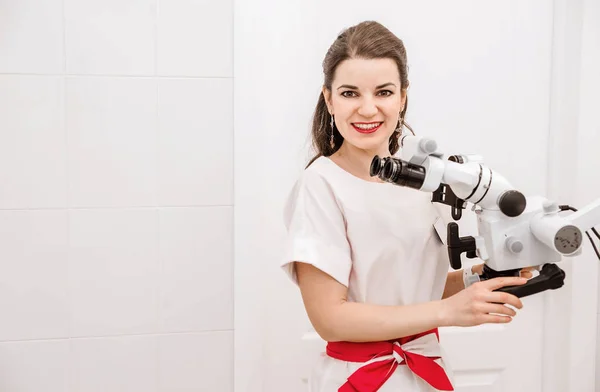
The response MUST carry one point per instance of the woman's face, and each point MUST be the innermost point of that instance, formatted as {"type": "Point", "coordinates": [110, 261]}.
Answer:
{"type": "Point", "coordinates": [366, 100]}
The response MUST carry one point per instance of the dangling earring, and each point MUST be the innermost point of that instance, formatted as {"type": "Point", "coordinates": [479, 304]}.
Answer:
{"type": "Point", "coordinates": [331, 141]}
{"type": "Point", "coordinates": [400, 124]}
{"type": "Point", "coordinates": [398, 131]}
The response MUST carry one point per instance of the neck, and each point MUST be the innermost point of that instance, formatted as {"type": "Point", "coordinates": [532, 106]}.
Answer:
{"type": "Point", "coordinates": [358, 161]}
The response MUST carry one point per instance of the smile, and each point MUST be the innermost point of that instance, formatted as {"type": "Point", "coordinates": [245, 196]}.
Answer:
{"type": "Point", "coordinates": [367, 127]}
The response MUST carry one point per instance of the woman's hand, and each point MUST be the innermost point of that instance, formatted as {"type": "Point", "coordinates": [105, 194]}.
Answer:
{"type": "Point", "coordinates": [525, 272]}
{"type": "Point", "coordinates": [480, 304]}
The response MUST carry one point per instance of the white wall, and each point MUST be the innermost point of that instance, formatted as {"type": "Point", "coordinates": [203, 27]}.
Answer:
{"type": "Point", "coordinates": [588, 142]}
{"type": "Point", "coordinates": [116, 195]}
{"type": "Point", "coordinates": [471, 89]}
{"type": "Point", "coordinates": [574, 163]}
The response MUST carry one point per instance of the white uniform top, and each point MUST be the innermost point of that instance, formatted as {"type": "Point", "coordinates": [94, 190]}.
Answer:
{"type": "Point", "coordinates": [377, 239]}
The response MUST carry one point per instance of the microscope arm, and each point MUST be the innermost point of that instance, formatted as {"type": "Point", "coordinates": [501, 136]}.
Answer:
{"type": "Point", "coordinates": [587, 217]}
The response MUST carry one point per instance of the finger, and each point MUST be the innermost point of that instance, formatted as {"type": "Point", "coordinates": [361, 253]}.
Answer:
{"type": "Point", "coordinates": [499, 297]}
{"type": "Point", "coordinates": [498, 310]}
{"type": "Point", "coordinates": [496, 283]}
{"type": "Point", "coordinates": [526, 274]}
{"type": "Point", "coordinates": [495, 319]}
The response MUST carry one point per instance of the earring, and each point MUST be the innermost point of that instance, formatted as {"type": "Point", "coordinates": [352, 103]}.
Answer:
{"type": "Point", "coordinates": [400, 124]}
{"type": "Point", "coordinates": [331, 141]}
{"type": "Point", "coordinates": [398, 131]}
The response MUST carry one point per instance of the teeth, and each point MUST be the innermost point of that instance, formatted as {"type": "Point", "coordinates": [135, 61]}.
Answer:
{"type": "Point", "coordinates": [367, 126]}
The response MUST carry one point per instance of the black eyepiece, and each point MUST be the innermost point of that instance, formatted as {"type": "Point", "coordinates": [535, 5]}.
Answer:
{"type": "Point", "coordinates": [389, 169]}
{"type": "Point", "coordinates": [376, 166]}
{"type": "Point", "coordinates": [398, 172]}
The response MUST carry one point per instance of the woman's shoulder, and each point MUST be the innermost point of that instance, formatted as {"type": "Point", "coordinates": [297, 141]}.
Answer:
{"type": "Point", "coordinates": [314, 189]}
{"type": "Point", "coordinates": [321, 166]}
{"type": "Point", "coordinates": [316, 179]}
{"type": "Point", "coordinates": [320, 174]}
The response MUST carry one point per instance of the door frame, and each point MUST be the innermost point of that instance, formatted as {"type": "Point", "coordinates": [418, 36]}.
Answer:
{"type": "Point", "coordinates": [570, 313]}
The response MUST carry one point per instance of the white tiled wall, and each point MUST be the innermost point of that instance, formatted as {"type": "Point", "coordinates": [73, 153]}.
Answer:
{"type": "Point", "coordinates": [116, 193]}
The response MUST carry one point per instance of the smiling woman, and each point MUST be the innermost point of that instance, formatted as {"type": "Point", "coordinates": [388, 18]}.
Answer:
{"type": "Point", "coordinates": [365, 90]}
{"type": "Point", "coordinates": [365, 101]}
{"type": "Point", "coordinates": [372, 273]}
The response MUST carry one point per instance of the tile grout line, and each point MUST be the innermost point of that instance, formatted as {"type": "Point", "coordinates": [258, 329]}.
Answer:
{"type": "Point", "coordinates": [116, 336]}
{"type": "Point", "coordinates": [233, 209]}
{"type": "Point", "coordinates": [112, 208]}
{"type": "Point", "coordinates": [91, 75]}
{"type": "Point", "coordinates": [158, 281]}
{"type": "Point", "coordinates": [71, 352]}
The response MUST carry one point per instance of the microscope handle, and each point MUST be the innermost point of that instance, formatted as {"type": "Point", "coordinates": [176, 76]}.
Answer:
{"type": "Point", "coordinates": [551, 277]}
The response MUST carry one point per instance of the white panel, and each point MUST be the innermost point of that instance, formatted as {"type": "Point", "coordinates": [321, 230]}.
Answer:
{"type": "Point", "coordinates": [124, 363]}
{"type": "Point", "coordinates": [35, 366]}
{"type": "Point", "coordinates": [195, 38]}
{"type": "Point", "coordinates": [196, 362]}
{"type": "Point", "coordinates": [114, 37]}
{"type": "Point", "coordinates": [585, 324]}
{"type": "Point", "coordinates": [196, 246]}
{"type": "Point", "coordinates": [33, 289]}
{"type": "Point", "coordinates": [33, 170]}
{"type": "Point", "coordinates": [32, 36]}
{"type": "Point", "coordinates": [312, 345]}
{"type": "Point", "coordinates": [597, 353]}
{"type": "Point", "coordinates": [111, 126]}
{"type": "Point", "coordinates": [479, 381]}
{"type": "Point", "coordinates": [485, 348]}
{"type": "Point", "coordinates": [195, 142]}
{"type": "Point", "coordinates": [113, 271]}
{"type": "Point", "coordinates": [275, 92]}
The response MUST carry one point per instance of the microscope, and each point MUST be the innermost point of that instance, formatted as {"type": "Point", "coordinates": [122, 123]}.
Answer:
{"type": "Point", "coordinates": [514, 231]}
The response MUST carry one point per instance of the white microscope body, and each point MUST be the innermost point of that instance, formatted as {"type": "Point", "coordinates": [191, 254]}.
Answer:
{"type": "Point", "coordinates": [514, 231]}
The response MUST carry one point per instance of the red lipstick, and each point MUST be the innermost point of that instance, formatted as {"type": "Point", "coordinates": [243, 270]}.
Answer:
{"type": "Point", "coordinates": [367, 130]}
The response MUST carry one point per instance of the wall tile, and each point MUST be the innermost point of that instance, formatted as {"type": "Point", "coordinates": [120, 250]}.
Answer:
{"type": "Point", "coordinates": [110, 37]}
{"type": "Point", "coordinates": [115, 364]}
{"type": "Point", "coordinates": [195, 38]}
{"type": "Point", "coordinates": [196, 142]}
{"type": "Point", "coordinates": [111, 127]}
{"type": "Point", "coordinates": [196, 362]}
{"type": "Point", "coordinates": [32, 38]}
{"type": "Point", "coordinates": [113, 265]}
{"type": "Point", "coordinates": [35, 366]}
{"type": "Point", "coordinates": [196, 251]}
{"type": "Point", "coordinates": [33, 284]}
{"type": "Point", "coordinates": [33, 165]}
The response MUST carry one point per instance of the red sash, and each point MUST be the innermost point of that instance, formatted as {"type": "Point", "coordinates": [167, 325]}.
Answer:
{"type": "Point", "coordinates": [371, 376]}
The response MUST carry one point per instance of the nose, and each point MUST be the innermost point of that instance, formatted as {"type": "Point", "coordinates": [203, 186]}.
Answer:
{"type": "Point", "coordinates": [367, 107]}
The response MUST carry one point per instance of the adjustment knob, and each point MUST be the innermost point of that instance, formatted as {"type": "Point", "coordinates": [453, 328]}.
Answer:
{"type": "Point", "coordinates": [512, 203]}
{"type": "Point", "coordinates": [428, 146]}
{"type": "Point", "coordinates": [514, 245]}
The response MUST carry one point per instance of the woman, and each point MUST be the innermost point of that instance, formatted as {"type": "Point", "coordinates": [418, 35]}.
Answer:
{"type": "Point", "coordinates": [372, 272]}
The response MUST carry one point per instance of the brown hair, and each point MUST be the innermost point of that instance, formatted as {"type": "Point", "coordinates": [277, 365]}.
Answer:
{"type": "Point", "coordinates": [366, 40]}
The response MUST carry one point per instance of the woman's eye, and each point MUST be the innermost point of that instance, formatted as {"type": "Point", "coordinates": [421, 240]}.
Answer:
{"type": "Point", "coordinates": [348, 94]}
{"type": "Point", "coordinates": [386, 93]}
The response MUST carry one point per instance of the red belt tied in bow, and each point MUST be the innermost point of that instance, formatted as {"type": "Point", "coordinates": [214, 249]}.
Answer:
{"type": "Point", "coordinates": [382, 358]}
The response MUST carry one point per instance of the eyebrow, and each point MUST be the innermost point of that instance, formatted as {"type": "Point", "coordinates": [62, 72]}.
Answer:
{"type": "Point", "coordinates": [376, 88]}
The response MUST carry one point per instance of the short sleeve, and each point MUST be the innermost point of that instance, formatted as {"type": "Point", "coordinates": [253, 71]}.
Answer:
{"type": "Point", "coordinates": [316, 230]}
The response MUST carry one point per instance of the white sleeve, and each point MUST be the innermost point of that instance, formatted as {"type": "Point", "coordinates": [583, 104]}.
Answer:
{"type": "Point", "coordinates": [316, 230]}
